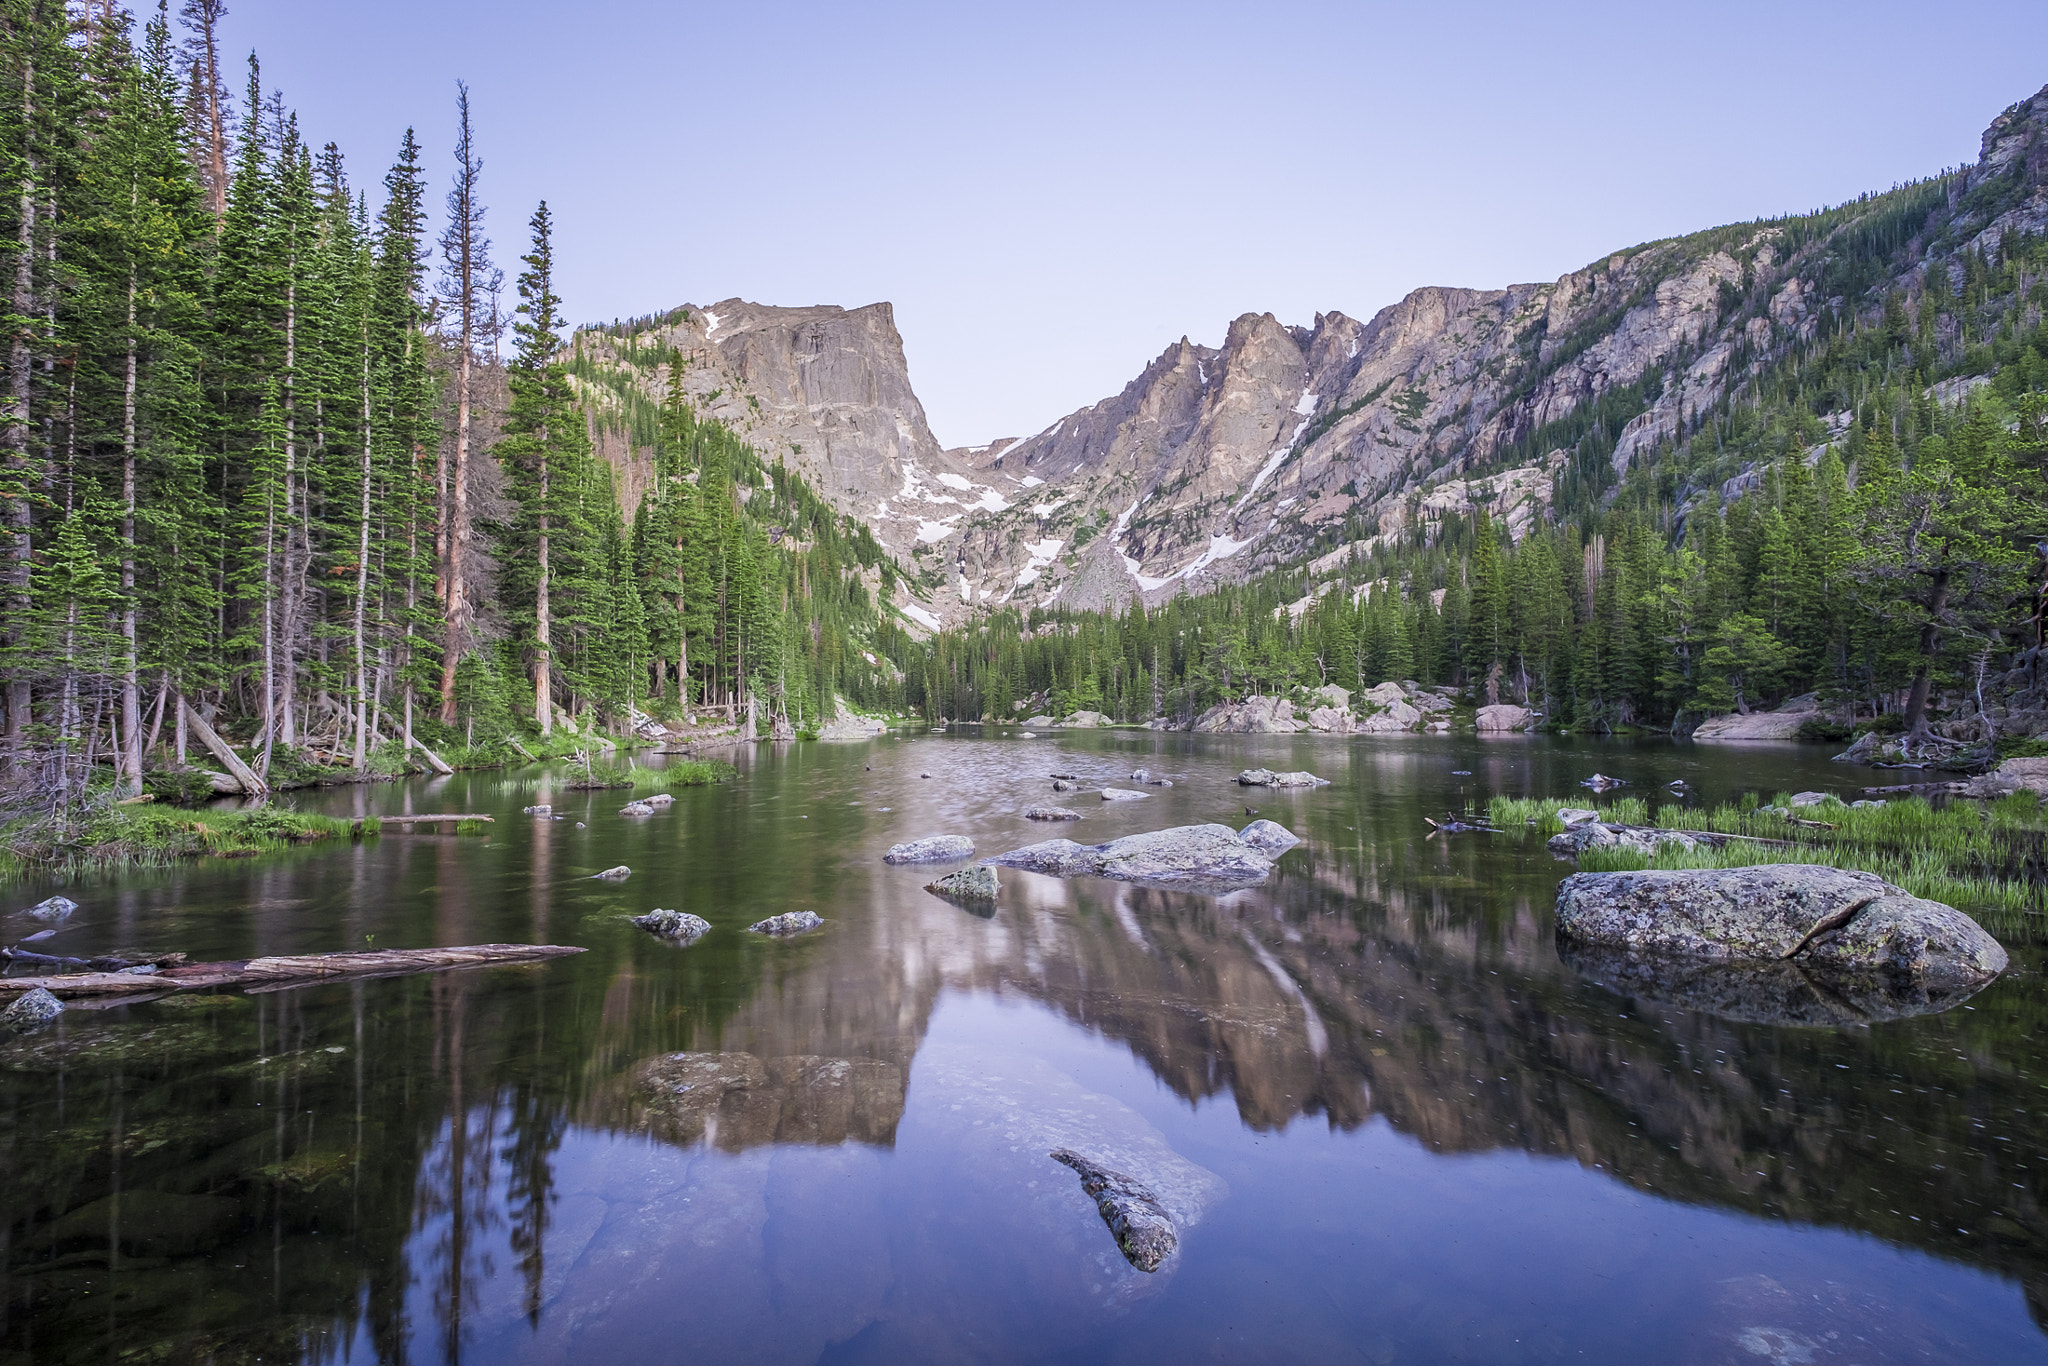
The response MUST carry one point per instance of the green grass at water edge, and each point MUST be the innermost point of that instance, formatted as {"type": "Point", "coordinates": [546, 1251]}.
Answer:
{"type": "Point", "coordinates": [159, 835]}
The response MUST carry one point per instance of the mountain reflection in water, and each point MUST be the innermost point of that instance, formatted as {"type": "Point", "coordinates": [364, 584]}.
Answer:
{"type": "Point", "coordinates": [835, 1147]}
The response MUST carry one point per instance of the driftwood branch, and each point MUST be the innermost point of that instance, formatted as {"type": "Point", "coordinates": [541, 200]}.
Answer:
{"type": "Point", "coordinates": [441, 819]}
{"type": "Point", "coordinates": [278, 974]}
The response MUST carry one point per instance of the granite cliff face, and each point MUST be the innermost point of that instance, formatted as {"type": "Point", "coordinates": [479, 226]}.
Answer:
{"type": "Point", "coordinates": [1289, 441]}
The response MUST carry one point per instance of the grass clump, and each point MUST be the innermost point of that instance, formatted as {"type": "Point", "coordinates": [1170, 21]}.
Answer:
{"type": "Point", "coordinates": [1513, 812]}
{"type": "Point", "coordinates": [684, 773]}
{"type": "Point", "coordinates": [157, 835]}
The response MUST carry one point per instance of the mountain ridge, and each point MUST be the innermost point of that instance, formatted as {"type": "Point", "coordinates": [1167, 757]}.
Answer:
{"type": "Point", "coordinates": [1292, 442]}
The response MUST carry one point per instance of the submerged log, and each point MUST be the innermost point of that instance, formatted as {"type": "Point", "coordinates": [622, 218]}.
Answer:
{"type": "Point", "coordinates": [439, 819]}
{"type": "Point", "coordinates": [281, 973]}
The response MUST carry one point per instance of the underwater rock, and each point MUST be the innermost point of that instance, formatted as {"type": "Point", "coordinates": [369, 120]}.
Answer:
{"type": "Point", "coordinates": [1065, 785]}
{"type": "Point", "coordinates": [1824, 917]}
{"type": "Point", "coordinates": [1050, 813]}
{"type": "Point", "coordinates": [658, 800]}
{"type": "Point", "coordinates": [932, 849]}
{"type": "Point", "coordinates": [544, 809]}
{"type": "Point", "coordinates": [636, 809]}
{"type": "Point", "coordinates": [1198, 856]}
{"type": "Point", "coordinates": [1143, 1231]}
{"type": "Point", "coordinates": [786, 924]}
{"type": "Point", "coordinates": [1118, 794]}
{"type": "Point", "coordinates": [679, 927]}
{"type": "Point", "coordinates": [969, 884]}
{"type": "Point", "coordinates": [34, 1010]}
{"type": "Point", "coordinates": [618, 874]}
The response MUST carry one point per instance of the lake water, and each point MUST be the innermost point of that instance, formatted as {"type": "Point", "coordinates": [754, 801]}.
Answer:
{"type": "Point", "coordinates": [1393, 1125]}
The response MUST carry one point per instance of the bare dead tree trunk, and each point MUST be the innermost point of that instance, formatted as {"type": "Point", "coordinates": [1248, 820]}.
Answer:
{"type": "Point", "coordinates": [130, 759]}
{"type": "Point", "coordinates": [14, 442]}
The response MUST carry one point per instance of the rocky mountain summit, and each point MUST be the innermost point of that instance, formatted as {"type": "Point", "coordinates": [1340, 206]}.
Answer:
{"type": "Point", "coordinates": [1291, 442]}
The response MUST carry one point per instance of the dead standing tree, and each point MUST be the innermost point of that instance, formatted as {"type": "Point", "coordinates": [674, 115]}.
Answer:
{"type": "Point", "coordinates": [470, 289]}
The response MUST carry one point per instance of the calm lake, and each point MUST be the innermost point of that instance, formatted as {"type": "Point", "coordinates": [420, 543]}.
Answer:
{"type": "Point", "coordinates": [1393, 1126]}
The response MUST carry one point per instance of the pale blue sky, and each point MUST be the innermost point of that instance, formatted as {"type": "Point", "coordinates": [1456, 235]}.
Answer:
{"type": "Point", "coordinates": [1051, 194]}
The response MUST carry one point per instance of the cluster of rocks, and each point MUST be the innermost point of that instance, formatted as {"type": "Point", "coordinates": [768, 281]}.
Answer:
{"type": "Point", "coordinates": [1197, 856]}
{"type": "Point", "coordinates": [1388, 708]}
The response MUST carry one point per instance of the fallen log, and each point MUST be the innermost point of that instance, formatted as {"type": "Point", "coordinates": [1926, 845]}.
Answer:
{"type": "Point", "coordinates": [281, 973]}
{"type": "Point", "coordinates": [244, 776]}
{"type": "Point", "coordinates": [441, 819]}
{"type": "Point", "coordinates": [1931, 788]}
{"type": "Point", "coordinates": [31, 958]}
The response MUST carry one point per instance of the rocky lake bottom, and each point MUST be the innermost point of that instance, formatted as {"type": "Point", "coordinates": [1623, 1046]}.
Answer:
{"type": "Point", "coordinates": [1384, 1120]}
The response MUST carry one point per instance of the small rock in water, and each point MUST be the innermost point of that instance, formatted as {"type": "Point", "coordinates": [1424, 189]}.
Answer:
{"type": "Point", "coordinates": [56, 908]}
{"type": "Point", "coordinates": [544, 809]}
{"type": "Point", "coordinates": [1139, 775]}
{"type": "Point", "coordinates": [1461, 773]}
{"type": "Point", "coordinates": [1142, 1229]}
{"type": "Point", "coordinates": [1576, 815]}
{"type": "Point", "coordinates": [579, 825]}
{"type": "Point", "coordinates": [636, 809]}
{"type": "Point", "coordinates": [969, 884]}
{"type": "Point", "coordinates": [678, 926]}
{"type": "Point", "coordinates": [1050, 813]}
{"type": "Point", "coordinates": [932, 849]}
{"type": "Point", "coordinates": [1266, 777]}
{"type": "Point", "coordinates": [32, 1011]}
{"type": "Point", "coordinates": [1028, 734]}
{"type": "Point", "coordinates": [618, 874]}
{"type": "Point", "coordinates": [1600, 782]}
{"type": "Point", "coordinates": [1068, 776]}
{"type": "Point", "coordinates": [1159, 782]}
{"type": "Point", "coordinates": [1118, 794]}
{"type": "Point", "coordinates": [658, 800]}
{"type": "Point", "coordinates": [1065, 785]}
{"type": "Point", "coordinates": [1811, 798]}
{"type": "Point", "coordinates": [788, 923]}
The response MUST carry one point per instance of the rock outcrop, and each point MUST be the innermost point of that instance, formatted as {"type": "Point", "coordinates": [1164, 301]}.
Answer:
{"type": "Point", "coordinates": [1253, 716]}
{"type": "Point", "coordinates": [1849, 922]}
{"type": "Point", "coordinates": [2014, 775]}
{"type": "Point", "coordinates": [1502, 716]}
{"type": "Point", "coordinates": [1782, 724]}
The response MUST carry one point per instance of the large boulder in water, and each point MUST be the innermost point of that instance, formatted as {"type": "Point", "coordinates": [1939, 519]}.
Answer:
{"type": "Point", "coordinates": [932, 849]}
{"type": "Point", "coordinates": [51, 911]}
{"type": "Point", "coordinates": [1827, 918]}
{"type": "Point", "coordinates": [1199, 856]}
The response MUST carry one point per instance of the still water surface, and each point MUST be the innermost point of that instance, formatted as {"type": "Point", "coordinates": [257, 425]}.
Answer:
{"type": "Point", "coordinates": [1393, 1126]}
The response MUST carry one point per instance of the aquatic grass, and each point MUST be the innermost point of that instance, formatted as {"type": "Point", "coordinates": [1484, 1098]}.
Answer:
{"type": "Point", "coordinates": [471, 828]}
{"type": "Point", "coordinates": [1508, 812]}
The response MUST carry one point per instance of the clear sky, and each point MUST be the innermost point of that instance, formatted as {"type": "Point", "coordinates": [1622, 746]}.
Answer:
{"type": "Point", "coordinates": [1052, 193]}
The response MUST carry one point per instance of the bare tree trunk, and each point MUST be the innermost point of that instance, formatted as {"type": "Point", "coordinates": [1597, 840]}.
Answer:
{"type": "Point", "coordinates": [130, 765]}
{"type": "Point", "coordinates": [362, 742]}
{"type": "Point", "coordinates": [291, 591]}
{"type": "Point", "coordinates": [14, 443]}
{"type": "Point", "coordinates": [543, 679]}
{"type": "Point", "coordinates": [1918, 730]}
